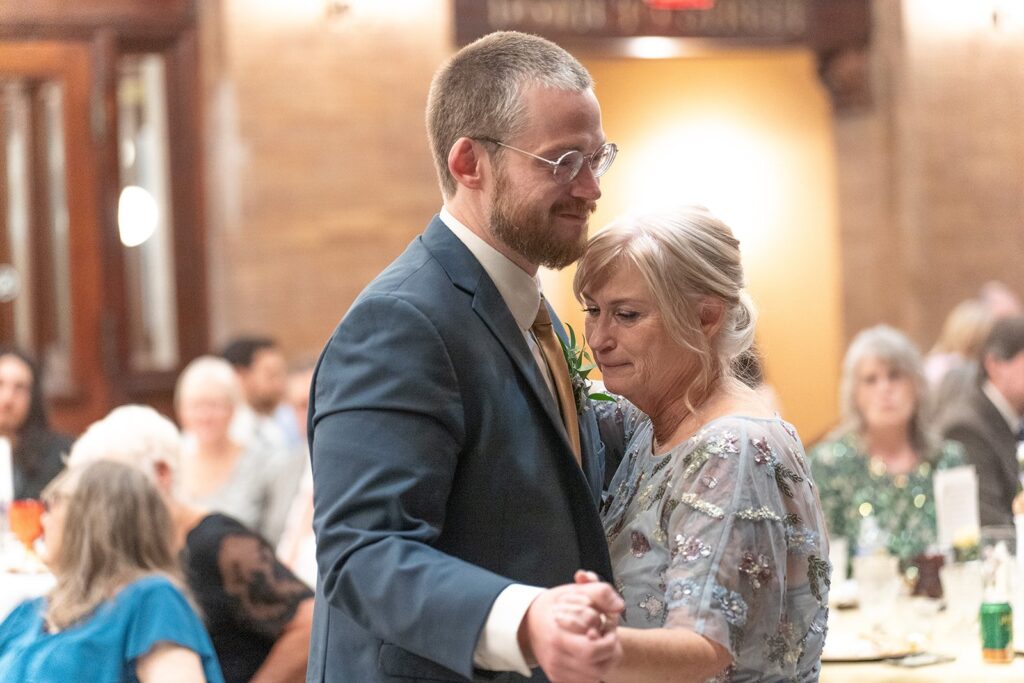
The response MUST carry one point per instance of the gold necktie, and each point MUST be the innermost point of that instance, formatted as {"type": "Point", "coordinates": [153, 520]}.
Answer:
{"type": "Point", "coordinates": [551, 349]}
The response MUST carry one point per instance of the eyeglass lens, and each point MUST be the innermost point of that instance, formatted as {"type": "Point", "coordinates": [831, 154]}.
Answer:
{"type": "Point", "coordinates": [571, 163]}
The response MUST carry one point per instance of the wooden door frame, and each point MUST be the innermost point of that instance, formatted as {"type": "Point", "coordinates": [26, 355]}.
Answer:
{"type": "Point", "coordinates": [108, 29]}
{"type": "Point", "coordinates": [73, 64]}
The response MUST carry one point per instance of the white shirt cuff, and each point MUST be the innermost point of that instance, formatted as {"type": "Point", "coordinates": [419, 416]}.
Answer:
{"type": "Point", "coordinates": [498, 646]}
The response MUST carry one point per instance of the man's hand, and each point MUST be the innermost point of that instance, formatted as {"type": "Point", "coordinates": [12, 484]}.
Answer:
{"type": "Point", "coordinates": [570, 631]}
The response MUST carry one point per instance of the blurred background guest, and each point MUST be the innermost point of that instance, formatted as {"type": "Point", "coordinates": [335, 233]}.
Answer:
{"type": "Point", "coordinates": [987, 420]}
{"type": "Point", "coordinates": [963, 331]}
{"type": "Point", "coordinates": [874, 472]}
{"type": "Point", "coordinates": [1000, 299]}
{"type": "Point", "coordinates": [36, 450]}
{"type": "Point", "coordinates": [117, 612]}
{"type": "Point", "coordinates": [262, 415]}
{"type": "Point", "coordinates": [219, 472]}
{"type": "Point", "coordinates": [297, 548]}
{"type": "Point", "coordinates": [258, 614]}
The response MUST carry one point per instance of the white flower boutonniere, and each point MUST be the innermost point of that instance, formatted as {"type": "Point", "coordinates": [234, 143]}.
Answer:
{"type": "Point", "coordinates": [580, 365]}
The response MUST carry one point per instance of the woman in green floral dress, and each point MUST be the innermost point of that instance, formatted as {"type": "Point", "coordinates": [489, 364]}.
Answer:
{"type": "Point", "coordinates": [879, 463]}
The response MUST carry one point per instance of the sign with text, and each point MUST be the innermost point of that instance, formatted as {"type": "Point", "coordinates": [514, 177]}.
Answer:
{"type": "Point", "coordinates": [570, 21]}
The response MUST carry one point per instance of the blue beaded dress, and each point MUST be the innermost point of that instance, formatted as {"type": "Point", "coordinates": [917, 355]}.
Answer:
{"type": "Point", "coordinates": [723, 535]}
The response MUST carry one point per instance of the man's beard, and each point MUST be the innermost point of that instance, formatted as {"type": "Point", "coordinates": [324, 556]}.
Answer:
{"type": "Point", "coordinates": [530, 231]}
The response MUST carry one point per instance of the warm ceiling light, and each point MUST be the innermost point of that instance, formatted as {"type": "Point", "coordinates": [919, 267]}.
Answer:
{"type": "Point", "coordinates": [681, 4]}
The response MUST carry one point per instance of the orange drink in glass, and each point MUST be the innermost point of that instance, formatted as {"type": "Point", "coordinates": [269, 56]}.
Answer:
{"type": "Point", "coordinates": [26, 518]}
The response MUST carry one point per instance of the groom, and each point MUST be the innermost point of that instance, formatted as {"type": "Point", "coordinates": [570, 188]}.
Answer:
{"type": "Point", "coordinates": [455, 483]}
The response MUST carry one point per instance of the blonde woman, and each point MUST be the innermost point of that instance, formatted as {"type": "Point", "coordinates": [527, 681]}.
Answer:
{"type": "Point", "coordinates": [713, 523]}
{"type": "Point", "coordinates": [116, 613]}
{"type": "Point", "coordinates": [244, 480]}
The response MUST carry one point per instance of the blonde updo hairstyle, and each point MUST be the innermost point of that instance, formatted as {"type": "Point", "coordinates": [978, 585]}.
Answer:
{"type": "Point", "coordinates": [686, 256]}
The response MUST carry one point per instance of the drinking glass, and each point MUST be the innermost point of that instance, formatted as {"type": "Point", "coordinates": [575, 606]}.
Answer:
{"type": "Point", "coordinates": [878, 586]}
{"type": "Point", "coordinates": [998, 548]}
{"type": "Point", "coordinates": [26, 518]}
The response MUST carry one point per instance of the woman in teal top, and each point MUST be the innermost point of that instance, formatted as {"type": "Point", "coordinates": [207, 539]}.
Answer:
{"type": "Point", "coordinates": [875, 471]}
{"type": "Point", "coordinates": [116, 614]}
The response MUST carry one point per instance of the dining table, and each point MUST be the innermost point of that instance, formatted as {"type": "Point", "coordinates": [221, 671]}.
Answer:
{"type": "Point", "coordinates": [913, 639]}
{"type": "Point", "coordinates": [22, 575]}
{"type": "Point", "coordinates": [16, 587]}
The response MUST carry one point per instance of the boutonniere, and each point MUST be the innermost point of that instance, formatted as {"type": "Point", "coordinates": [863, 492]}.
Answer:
{"type": "Point", "coordinates": [580, 365]}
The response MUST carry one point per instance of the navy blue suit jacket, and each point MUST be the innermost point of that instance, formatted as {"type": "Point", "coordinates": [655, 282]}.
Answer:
{"type": "Point", "coordinates": [442, 473]}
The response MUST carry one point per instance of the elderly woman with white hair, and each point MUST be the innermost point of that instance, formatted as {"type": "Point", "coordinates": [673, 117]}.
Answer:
{"type": "Point", "coordinates": [878, 464]}
{"type": "Point", "coordinates": [258, 614]}
{"type": "Point", "coordinates": [714, 527]}
{"type": "Point", "coordinates": [245, 481]}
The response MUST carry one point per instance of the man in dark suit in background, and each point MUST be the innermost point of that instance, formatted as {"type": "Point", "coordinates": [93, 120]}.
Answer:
{"type": "Point", "coordinates": [987, 420]}
{"type": "Point", "coordinates": [454, 481]}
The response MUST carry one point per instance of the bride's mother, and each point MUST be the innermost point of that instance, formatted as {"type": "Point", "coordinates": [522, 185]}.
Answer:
{"type": "Point", "coordinates": [713, 523]}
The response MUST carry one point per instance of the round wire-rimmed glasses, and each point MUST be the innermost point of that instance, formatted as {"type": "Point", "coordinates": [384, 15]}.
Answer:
{"type": "Point", "coordinates": [566, 167]}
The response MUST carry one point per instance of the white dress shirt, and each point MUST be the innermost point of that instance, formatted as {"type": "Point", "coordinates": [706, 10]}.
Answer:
{"type": "Point", "coordinates": [498, 646]}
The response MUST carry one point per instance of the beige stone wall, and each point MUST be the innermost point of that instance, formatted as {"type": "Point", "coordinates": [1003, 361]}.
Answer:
{"type": "Point", "coordinates": [319, 169]}
{"type": "Point", "coordinates": [319, 172]}
{"type": "Point", "coordinates": [932, 178]}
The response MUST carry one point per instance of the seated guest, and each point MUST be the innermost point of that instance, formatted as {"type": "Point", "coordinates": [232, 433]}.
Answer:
{"type": "Point", "coordinates": [714, 528]}
{"type": "Point", "coordinates": [258, 614]}
{"type": "Point", "coordinates": [241, 479]}
{"type": "Point", "coordinates": [879, 462]}
{"type": "Point", "coordinates": [964, 330]}
{"type": "Point", "coordinates": [36, 451]}
{"type": "Point", "coordinates": [987, 420]}
{"type": "Point", "coordinates": [117, 612]}
{"type": "Point", "coordinates": [261, 370]}
{"type": "Point", "coordinates": [297, 548]}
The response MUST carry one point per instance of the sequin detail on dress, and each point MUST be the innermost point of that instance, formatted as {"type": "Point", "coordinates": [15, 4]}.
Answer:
{"type": "Point", "coordinates": [801, 540]}
{"type": "Point", "coordinates": [730, 603]}
{"type": "Point", "coordinates": [638, 543]}
{"type": "Point", "coordinates": [689, 549]}
{"type": "Point", "coordinates": [783, 647]}
{"type": "Point", "coordinates": [757, 569]}
{"type": "Point", "coordinates": [653, 606]}
{"type": "Point", "coordinates": [759, 514]}
{"type": "Point", "coordinates": [679, 592]}
{"type": "Point", "coordinates": [709, 509]}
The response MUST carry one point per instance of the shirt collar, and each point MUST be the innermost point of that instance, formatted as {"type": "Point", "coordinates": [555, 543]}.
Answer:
{"type": "Point", "coordinates": [1002, 405]}
{"type": "Point", "coordinates": [520, 290]}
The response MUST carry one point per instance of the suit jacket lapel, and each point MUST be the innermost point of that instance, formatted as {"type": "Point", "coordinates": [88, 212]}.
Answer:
{"type": "Point", "coordinates": [467, 274]}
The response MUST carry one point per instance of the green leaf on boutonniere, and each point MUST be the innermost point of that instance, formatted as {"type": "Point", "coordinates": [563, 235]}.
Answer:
{"type": "Point", "coordinates": [580, 364]}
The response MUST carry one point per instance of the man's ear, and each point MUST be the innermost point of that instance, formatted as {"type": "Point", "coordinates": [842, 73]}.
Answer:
{"type": "Point", "coordinates": [712, 314]}
{"type": "Point", "coordinates": [466, 163]}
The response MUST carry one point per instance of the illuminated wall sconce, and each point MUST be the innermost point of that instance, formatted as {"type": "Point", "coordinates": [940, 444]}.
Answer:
{"type": "Point", "coordinates": [137, 215]}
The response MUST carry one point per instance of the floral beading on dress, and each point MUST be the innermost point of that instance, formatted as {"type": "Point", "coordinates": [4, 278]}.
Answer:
{"type": "Point", "coordinates": [724, 536]}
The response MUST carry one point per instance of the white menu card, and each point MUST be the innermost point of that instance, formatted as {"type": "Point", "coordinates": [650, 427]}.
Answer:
{"type": "Point", "coordinates": [6, 473]}
{"type": "Point", "coordinates": [956, 504]}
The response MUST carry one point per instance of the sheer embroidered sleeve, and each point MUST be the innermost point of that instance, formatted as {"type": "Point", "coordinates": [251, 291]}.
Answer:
{"type": "Point", "coordinates": [237, 579]}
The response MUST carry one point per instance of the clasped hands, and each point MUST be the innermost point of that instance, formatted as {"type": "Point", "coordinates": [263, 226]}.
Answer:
{"type": "Point", "coordinates": [570, 630]}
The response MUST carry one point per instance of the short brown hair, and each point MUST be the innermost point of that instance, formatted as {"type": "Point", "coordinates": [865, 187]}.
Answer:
{"type": "Point", "coordinates": [1005, 340]}
{"type": "Point", "coordinates": [478, 92]}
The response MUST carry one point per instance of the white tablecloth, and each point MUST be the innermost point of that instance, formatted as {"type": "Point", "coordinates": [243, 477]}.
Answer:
{"type": "Point", "coordinates": [16, 587]}
{"type": "Point", "coordinates": [952, 631]}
